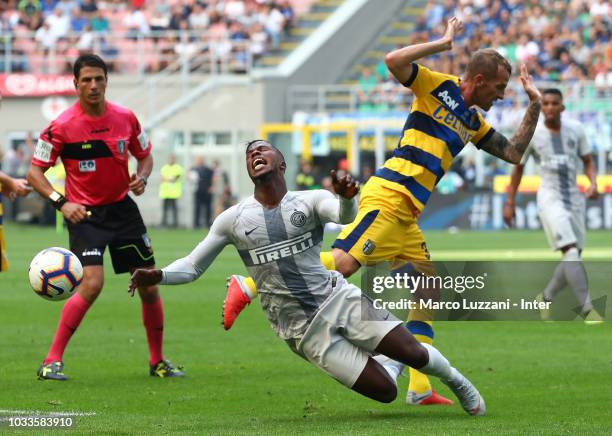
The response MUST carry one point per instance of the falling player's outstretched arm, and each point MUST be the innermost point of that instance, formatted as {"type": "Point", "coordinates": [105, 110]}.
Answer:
{"type": "Point", "coordinates": [400, 61]}
{"type": "Point", "coordinates": [192, 266]}
{"type": "Point", "coordinates": [511, 150]}
{"type": "Point", "coordinates": [342, 210]}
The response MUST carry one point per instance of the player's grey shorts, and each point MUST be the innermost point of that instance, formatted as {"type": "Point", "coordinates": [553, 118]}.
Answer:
{"type": "Point", "coordinates": [563, 222]}
{"type": "Point", "coordinates": [345, 332]}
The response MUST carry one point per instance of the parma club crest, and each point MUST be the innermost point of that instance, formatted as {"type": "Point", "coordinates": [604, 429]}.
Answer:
{"type": "Point", "coordinates": [368, 247]}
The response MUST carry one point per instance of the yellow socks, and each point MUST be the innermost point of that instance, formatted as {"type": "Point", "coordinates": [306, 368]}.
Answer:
{"type": "Point", "coordinates": [327, 260]}
{"type": "Point", "coordinates": [251, 285]}
{"type": "Point", "coordinates": [423, 332]}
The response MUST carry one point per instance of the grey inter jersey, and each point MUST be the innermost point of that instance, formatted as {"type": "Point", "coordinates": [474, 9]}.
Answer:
{"type": "Point", "coordinates": [280, 248]}
{"type": "Point", "coordinates": [559, 156]}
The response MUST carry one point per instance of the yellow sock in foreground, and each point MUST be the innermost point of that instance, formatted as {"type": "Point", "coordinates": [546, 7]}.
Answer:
{"type": "Point", "coordinates": [251, 284]}
{"type": "Point", "coordinates": [326, 259]}
{"type": "Point", "coordinates": [419, 382]}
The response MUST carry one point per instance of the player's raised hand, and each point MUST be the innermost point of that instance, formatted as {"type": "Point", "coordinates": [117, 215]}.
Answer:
{"type": "Point", "coordinates": [509, 214]}
{"type": "Point", "coordinates": [137, 184]}
{"type": "Point", "coordinates": [74, 212]}
{"type": "Point", "coordinates": [453, 27]}
{"type": "Point", "coordinates": [344, 186]}
{"type": "Point", "coordinates": [528, 85]}
{"type": "Point", "coordinates": [144, 277]}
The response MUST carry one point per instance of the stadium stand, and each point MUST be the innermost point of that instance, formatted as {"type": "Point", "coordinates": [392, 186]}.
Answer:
{"type": "Point", "coordinates": [147, 36]}
{"type": "Point", "coordinates": [559, 41]}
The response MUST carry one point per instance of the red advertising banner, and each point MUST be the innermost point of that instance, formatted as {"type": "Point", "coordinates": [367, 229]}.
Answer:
{"type": "Point", "coordinates": [36, 85]}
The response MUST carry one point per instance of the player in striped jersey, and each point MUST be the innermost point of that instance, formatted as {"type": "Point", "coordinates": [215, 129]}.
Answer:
{"type": "Point", "coordinates": [442, 120]}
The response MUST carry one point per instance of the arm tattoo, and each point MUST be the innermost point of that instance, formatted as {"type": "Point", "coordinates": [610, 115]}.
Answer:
{"type": "Point", "coordinates": [511, 150]}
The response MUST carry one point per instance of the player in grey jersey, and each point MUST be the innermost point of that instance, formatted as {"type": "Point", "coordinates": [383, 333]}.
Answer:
{"type": "Point", "coordinates": [323, 318]}
{"type": "Point", "coordinates": [558, 146]}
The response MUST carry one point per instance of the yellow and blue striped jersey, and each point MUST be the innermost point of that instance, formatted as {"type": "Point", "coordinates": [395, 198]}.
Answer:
{"type": "Point", "coordinates": [437, 129]}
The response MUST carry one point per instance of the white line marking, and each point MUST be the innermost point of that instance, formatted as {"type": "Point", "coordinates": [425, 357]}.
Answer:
{"type": "Point", "coordinates": [517, 254]}
{"type": "Point", "coordinates": [44, 412]}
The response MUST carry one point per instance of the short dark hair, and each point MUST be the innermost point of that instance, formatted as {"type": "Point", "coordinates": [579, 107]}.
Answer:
{"type": "Point", "coordinates": [88, 60]}
{"type": "Point", "coordinates": [487, 61]}
{"type": "Point", "coordinates": [553, 91]}
{"type": "Point", "coordinates": [255, 141]}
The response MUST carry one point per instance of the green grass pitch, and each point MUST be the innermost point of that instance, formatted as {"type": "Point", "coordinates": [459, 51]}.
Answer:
{"type": "Point", "coordinates": [537, 378]}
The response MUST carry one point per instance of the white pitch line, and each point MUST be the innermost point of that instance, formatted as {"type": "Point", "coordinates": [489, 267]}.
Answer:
{"type": "Point", "coordinates": [520, 254]}
{"type": "Point", "coordinates": [44, 412]}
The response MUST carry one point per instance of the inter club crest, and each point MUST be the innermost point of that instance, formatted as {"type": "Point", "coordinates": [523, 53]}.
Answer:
{"type": "Point", "coordinates": [298, 218]}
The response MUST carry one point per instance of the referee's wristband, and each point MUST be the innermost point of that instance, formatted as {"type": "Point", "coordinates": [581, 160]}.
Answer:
{"type": "Point", "coordinates": [57, 200]}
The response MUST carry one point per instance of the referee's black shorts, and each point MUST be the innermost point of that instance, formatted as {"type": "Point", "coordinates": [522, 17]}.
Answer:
{"type": "Point", "coordinates": [118, 225]}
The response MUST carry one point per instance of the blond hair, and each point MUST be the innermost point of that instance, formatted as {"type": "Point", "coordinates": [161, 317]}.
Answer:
{"type": "Point", "coordinates": [486, 61]}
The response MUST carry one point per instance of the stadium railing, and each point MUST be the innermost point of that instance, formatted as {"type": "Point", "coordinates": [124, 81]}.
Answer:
{"type": "Point", "coordinates": [391, 96]}
{"type": "Point", "coordinates": [128, 52]}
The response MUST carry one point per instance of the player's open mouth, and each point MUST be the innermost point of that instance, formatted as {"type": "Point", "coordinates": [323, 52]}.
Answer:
{"type": "Point", "coordinates": [258, 163]}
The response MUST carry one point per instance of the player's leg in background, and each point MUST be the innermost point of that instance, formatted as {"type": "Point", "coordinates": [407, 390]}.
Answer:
{"type": "Point", "coordinates": [566, 232]}
{"type": "Point", "coordinates": [576, 277]}
{"type": "Point", "coordinates": [555, 223]}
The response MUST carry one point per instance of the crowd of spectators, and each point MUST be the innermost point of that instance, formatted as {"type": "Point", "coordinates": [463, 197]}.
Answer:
{"type": "Point", "coordinates": [557, 40]}
{"type": "Point", "coordinates": [237, 31]}
{"type": "Point", "coordinates": [564, 41]}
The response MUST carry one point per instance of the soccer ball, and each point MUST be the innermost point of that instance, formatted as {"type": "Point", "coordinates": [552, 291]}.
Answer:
{"type": "Point", "coordinates": [55, 273]}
